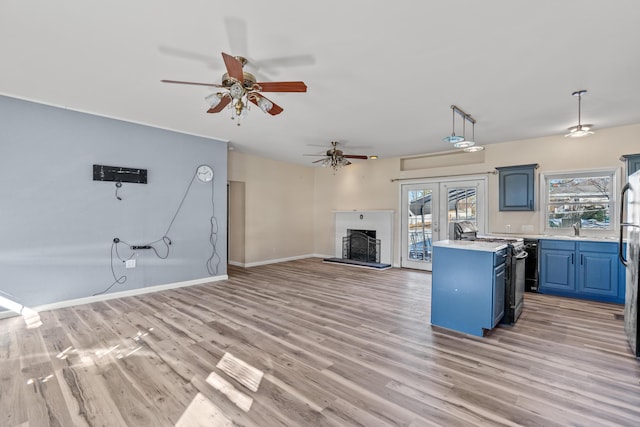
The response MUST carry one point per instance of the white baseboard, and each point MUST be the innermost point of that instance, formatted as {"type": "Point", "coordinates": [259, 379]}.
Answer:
{"type": "Point", "coordinates": [105, 297]}
{"type": "Point", "coordinates": [277, 260]}
{"type": "Point", "coordinates": [293, 258]}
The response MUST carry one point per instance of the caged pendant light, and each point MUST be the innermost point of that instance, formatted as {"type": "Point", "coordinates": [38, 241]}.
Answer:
{"type": "Point", "coordinates": [580, 130]}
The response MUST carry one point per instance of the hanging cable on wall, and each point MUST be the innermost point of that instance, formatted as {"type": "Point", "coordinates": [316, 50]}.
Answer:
{"type": "Point", "coordinates": [205, 174]}
{"type": "Point", "coordinates": [118, 186]}
{"type": "Point", "coordinates": [212, 267]}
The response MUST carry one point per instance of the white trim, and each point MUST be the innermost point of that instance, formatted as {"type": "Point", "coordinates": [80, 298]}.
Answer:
{"type": "Point", "coordinates": [277, 260]}
{"type": "Point", "coordinates": [616, 184]}
{"type": "Point", "coordinates": [122, 294]}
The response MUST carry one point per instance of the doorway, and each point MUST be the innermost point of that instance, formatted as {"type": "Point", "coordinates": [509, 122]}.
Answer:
{"type": "Point", "coordinates": [428, 207]}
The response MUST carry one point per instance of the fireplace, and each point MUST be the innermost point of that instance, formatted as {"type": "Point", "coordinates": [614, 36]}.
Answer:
{"type": "Point", "coordinates": [361, 245]}
{"type": "Point", "coordinates": [378, 221]}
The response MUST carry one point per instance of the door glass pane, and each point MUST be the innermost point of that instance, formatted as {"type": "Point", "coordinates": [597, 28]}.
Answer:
{"type": "Point", "coordinates": [462, 204]}
{"type": "Point", "coordinates": [419, 224]}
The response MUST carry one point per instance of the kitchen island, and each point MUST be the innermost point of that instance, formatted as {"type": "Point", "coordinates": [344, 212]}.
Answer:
{"type": "Point", "coordinates": [468, 285]}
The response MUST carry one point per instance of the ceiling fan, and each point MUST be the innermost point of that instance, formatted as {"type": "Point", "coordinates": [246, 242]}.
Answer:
{"type": "Point", "coordinates": [335, 158]}
{"type": "Point", "coordinates": [241, 87]}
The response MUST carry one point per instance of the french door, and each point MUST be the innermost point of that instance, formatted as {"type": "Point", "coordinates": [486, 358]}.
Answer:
{"type": "Point", "coordinates": [427, 210]}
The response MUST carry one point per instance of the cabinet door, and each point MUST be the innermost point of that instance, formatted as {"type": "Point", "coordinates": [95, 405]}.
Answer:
{"type": "Point", "coordinates": [516, 188]}
{"type": "Point", "coordinates": [598, 274]}
{"type": "Point", "coordinates": [498, 293]}
{"type": "Point", "coordinates": [633, 163]}
{"type": "Point", "coordinates": [557, 268]}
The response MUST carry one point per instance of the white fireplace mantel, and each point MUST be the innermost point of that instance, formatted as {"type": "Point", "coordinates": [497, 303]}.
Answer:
{"type": "Point", "coordinates": [379, 220]}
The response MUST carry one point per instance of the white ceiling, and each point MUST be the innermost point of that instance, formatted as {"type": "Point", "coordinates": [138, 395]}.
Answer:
{"type": "Point", "coordinates": [381, 75]}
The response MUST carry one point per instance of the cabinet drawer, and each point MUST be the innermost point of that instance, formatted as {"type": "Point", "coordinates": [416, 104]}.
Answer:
{"type": "Point", "coordinates": [602, 247]}
{"type": "Point", "coordinates": [565, 245]}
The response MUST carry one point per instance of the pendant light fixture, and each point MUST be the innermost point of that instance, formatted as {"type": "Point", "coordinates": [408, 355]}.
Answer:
{"type": "Point", "coordinates": [453, 138]}
{"type": "Point", "coordinates": [465, 143]}
{"type": "Point", "coordinates": [472, 148]}
{"type": "Point", "coordinates": [580, 130]}
{"type": "Point", "coordinates": [461, 141]}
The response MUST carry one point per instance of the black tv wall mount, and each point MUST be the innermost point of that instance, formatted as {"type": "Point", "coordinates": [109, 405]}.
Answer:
{"type": "Point", "coordinates": [119, 174]}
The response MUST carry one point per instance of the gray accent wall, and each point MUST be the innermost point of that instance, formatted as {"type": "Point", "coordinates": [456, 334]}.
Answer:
{"type": "Point", "coordinates": [57, 224]}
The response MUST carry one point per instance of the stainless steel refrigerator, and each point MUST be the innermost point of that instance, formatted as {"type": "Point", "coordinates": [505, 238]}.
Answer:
{"type": "Point", "coordinates": [630, 228]}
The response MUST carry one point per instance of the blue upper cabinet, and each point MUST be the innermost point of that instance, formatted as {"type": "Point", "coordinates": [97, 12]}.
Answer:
{"type": "Point", "coordinates": [632, 161]}
{"type": "Point", "coordinates": [516, 187]}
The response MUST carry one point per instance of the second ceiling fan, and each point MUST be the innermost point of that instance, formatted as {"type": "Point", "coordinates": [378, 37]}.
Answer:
{"type": "Point", "coordinates": [242, 87]}
{"type": "Point", "coordinates": [336, 158]}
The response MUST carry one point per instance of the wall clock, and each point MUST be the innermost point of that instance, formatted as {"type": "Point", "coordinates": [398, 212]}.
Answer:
{"type": "Point", "coordinates": [205, 173]}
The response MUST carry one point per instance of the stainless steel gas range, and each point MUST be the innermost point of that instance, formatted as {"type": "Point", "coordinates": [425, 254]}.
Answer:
{"type": "Point", "coordinates": [515, 266]}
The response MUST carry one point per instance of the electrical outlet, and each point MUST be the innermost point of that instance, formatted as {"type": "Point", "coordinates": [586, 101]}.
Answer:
{"type": "Point", "coordinates": [130, 263]}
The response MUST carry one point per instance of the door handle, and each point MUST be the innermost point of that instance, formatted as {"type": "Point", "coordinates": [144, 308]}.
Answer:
{"type": "Point", "coordinates": [623, 260]}
{"type": "Point", "coordinates": [572, 260]}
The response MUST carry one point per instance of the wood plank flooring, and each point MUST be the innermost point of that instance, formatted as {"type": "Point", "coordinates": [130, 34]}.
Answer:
{"type": "Point", "coordinates": [321, 345]}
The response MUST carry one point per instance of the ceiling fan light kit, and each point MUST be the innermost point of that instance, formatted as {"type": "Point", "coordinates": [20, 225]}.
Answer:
{"type": "Point", "coordinates": [579, 130]}
{"type": "Point", "coordinates": [242, 88]}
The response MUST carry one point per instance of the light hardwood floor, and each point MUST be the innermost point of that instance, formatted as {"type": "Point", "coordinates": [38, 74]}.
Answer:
{"type": "Point", "coordinates": [320, 344]}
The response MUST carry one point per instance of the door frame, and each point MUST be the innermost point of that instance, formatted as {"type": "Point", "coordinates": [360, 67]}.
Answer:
{"type": "Point", "coordinates": [442, 182]}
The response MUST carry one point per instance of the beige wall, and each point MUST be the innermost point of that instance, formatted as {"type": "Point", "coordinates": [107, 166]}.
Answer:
{"type": "Point", "coordinates": [368, 185]}
{"type": "Point", "coordinates": [278, 208]}
{"type": "Point", "coordinates": [237, 222]}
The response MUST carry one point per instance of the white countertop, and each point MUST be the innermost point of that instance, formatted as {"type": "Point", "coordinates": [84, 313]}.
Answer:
{"type": "Point", "coordinates": [559, 237]}
{"type": "Point", "coordinates": [471, 245]}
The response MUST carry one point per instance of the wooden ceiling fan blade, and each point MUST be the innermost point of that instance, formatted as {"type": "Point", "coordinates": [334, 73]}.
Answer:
{"type": "Point", "coordinates": [282, 86]}
{"type": "Point", "coordinates": [355, 156]}
{"type": "Point", "coordinates": [234, 67]}
{"type": "Point", "coordinates": [275, 108]}
{"type": "Point", "coordinates": [318, 161]}
{"type": "Point", "coordinates": [191, 83]}
{"type": "Point", "coordinates": [224, 101]}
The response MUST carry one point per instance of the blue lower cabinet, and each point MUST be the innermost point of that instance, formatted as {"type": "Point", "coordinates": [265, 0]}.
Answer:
{"type": "Point", "coordinates": [589, 270]}
{"type": "Point", "coordinates": [557, 266]}
{"type": "Point", "coordinates": [468, 299]}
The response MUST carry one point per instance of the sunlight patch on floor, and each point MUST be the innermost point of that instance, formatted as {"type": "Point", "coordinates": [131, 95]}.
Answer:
{"type": "Point", "coordinates": [201, 412]}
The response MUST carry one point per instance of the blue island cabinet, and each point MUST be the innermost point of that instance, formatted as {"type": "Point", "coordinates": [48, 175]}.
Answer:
{"type": "Point", "coordinates": [468, 288]}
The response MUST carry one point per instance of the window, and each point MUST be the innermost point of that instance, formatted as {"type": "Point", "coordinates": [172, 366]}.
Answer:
{"type": "Point", "coordinates": [584, 198]}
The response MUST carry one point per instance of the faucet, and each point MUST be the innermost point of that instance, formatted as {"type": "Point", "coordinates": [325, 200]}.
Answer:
{"type": "Point", "coordinates": [576, 228]}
